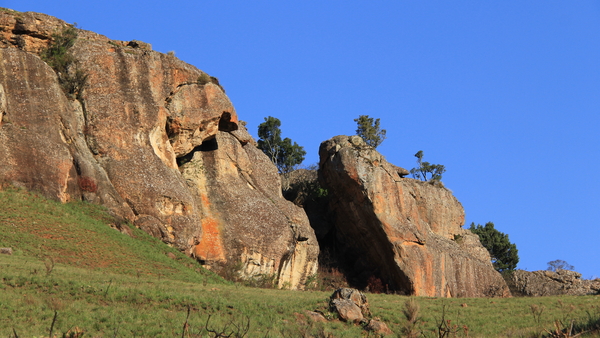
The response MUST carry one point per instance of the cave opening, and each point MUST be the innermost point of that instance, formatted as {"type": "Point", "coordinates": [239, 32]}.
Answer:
{"type": "Point", "coordinates": [210, 144]}
{"type": "Point", "coordinates": [225, 123]}
{"type": "Point", "coordinates": [345, 261]}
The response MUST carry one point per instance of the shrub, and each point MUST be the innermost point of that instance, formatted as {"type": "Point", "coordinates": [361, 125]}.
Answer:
{"type": "Point", "coordinates": [375, 285]}
{"type": "Point", "coordinates": [87, 184]}
{"type": "Point", "coordinates": [57, 55]}
{"type": "Point", "coordinates": [203, 79]}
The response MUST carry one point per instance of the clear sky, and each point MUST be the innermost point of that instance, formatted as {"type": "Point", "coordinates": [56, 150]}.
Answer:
{"type": "Point", "coordinates": [505, 94]}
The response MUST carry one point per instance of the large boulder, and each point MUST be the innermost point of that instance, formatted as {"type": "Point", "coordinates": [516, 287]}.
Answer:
{"type": "Point", "coordinates": [350, 304]}
{"type": "Point", "coordinates": [402, 232]}
{"type": "Point", "coordinates": [150, 141]}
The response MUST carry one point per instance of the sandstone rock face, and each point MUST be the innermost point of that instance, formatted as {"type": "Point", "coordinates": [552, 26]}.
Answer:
{"type": "Point", "coordinates": [406, 232]}
{"type": "Point", "coordinates": [241, 195]}
{"type": "Point", "coordinates": [549, 283]}
{"type": "Point", "coordinates": [152, 144]}
{"type": "Point", "coordinates": [29, 31]}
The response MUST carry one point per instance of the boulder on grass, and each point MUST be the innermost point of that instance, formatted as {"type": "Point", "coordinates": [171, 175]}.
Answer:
{"type": "Point", "coordinates": [350, 304]}
{"type": "Point", "coordinates": [378, 327]}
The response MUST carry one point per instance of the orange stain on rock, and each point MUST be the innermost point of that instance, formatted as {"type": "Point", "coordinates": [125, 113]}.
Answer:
{"type": "Point", "coordinates": [210, 246]}
{"type": "Point", "coordinates": [205, 201]}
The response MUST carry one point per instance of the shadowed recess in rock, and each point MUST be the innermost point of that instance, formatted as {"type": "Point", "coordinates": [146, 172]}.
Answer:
{"type": "Point", "coordinates": [226, 123]}
{"type": "Point", "coordinates": [209, 145]}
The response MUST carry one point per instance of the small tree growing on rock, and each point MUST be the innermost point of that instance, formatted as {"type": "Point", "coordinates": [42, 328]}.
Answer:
{"type": "Point", "coordinates": [282, 152]}
{"type": "Point", "coordinates": [505, 256]}
{"type": "Point", "coordinates": [424, 169]}
{"type": "Point", "coordinates": [559, 264]}
{"type": "Point", "coordinates": [370, 131]}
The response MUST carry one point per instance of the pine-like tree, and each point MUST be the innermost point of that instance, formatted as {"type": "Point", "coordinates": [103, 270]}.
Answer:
{"type": "Point", "coordinates": [370, 131]}
{"type": "Point", "coordinates": [505, 256]}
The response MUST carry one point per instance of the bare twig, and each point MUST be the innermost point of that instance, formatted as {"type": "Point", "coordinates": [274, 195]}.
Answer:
{"type": "Point", "coordinates": [231, 329]}
{"type": "Point", "coordinates": [185, 324]}
{"type": "Point", "coordinates": [53, 321]}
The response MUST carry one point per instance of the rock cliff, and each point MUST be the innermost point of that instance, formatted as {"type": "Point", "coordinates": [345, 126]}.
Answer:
{"type": "Point", "coordinates": [404, 232]}
{"type": "Point", "coordinates": [153, 142]}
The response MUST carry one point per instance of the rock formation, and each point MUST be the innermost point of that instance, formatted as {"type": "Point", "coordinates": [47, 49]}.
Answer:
{"type": "Point", "coordinates": [151, 141]}
{"type": "Point", "coordinates": [550, 283]}
{"type": "Point", "coordinates": [350, 304]}
{"type": "Point", "coordinates": [405, 233]}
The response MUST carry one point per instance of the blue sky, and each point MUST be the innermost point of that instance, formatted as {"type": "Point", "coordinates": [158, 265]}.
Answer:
{"type": "Point", "coordinates": [505, 94]}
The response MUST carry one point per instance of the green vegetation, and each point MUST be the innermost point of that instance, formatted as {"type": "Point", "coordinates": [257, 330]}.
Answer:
{"type": "Point", "coordinates": [370, 131]}
{"type": "Point", "coordinates": [77, 234]}
{"type": "Point", "coordinates": [505, 255]}
{"type": "Point", "coordinates": [287, 156]}
{"type": "Point", "coordinates": [205, 78]}
{"type": "Point", "coordinates": [424, 169]}
{"type": "Point", "coordinates": [58, 56]}
{"type": "Point", "coordinates": [72, 274]}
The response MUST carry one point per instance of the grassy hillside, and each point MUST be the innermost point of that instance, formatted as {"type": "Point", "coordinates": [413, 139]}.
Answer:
{"type": "Point", "coordinates": [75, 276]}
{"type": "Point", "coordinates": [76, 234]}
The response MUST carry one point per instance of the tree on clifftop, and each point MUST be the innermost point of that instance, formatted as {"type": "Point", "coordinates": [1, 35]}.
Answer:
{"type": "Point", "coordinates": [504, 254]}
{"type": "Point", "coordinates": [368, 128]}
{"type": "Point", "coordinates": [425, 168]}
{"type": "Point", "coordinates": [282, 152]}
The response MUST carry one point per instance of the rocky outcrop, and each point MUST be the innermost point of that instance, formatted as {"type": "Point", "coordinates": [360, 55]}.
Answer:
{"type": "Point", "coordinates": [240, 189]}
{"type": "Point", "coordinates": [402, 232]}
{"type": "Point", "coordinates": [150, 141]}
{"type": "Point", "coordinates": [350, 304]}
{"type": "Point", "coordinates": [550, 283]}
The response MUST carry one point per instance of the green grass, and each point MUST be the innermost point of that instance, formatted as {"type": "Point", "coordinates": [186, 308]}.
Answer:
{"type": "Point", "coordinates": [108, 284]}
{"type": "Point", "coordinates": [77, 234]}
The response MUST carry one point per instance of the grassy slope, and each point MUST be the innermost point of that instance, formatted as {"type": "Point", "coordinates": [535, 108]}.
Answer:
{"type": "Point", "coordinates": [105, 283]}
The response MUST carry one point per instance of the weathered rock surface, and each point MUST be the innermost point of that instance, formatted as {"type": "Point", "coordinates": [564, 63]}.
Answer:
{"type": "Point", "coordinates": [152, 144]}
{"type": "Point", "coordinates": [550, 283]}
{"type": "Point", "coordinates": [406, 232]}
{"type": "Point", "coordinates": [378, 327]}
{"type": "Point", "coordinates": [350, 304]}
